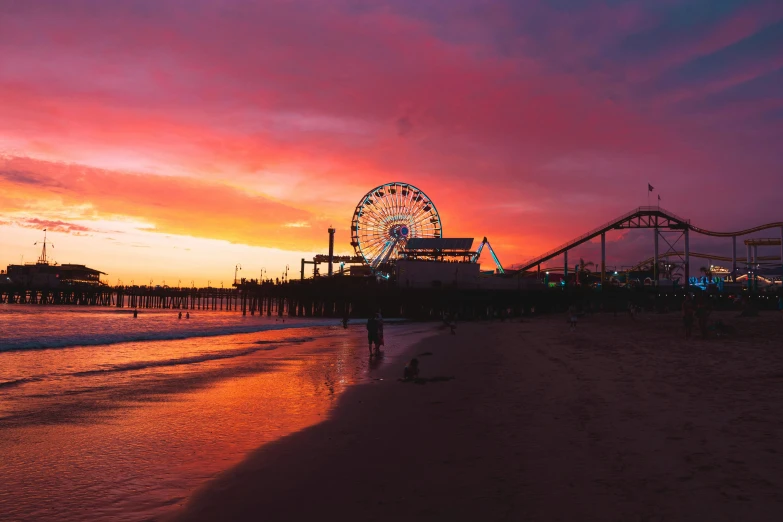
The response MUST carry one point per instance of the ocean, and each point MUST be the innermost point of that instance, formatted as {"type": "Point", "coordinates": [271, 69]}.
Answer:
{"type": "Point", "coordinates": [104, 417]}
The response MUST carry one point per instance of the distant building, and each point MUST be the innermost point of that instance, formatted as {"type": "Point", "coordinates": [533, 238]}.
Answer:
{"type": "Point", "coordinates": [427, 274]}
{"type": "Point", "coordinates": [44, 275]}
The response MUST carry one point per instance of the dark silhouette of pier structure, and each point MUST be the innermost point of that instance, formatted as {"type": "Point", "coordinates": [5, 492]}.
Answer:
{"type": "Point", "coordinates": [360, 296]}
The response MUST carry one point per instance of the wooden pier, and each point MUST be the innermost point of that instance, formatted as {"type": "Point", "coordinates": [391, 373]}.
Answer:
{"type": "Point", "coordinates": [324, 297]}
{"type": "Point", "coordinates": [356, 297]}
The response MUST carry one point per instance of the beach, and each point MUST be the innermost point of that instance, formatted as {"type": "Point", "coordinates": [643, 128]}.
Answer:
{"type": "Point", "coordinates": [107, 418]}
{"type": "Point", "coordinates": [618, 420]}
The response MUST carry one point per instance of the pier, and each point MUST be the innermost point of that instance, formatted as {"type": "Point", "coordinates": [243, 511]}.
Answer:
{"type": "Point", "coordinates": [361, 297]}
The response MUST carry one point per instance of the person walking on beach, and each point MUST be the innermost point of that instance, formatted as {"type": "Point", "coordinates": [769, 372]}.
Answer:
{"type": "Point", "coordinates": [135, 313]}
{"type": "Point", "coordinates": [180, 316]}
{"type": "Point", "coordinates": [372, 333]}
{"type": "Point", "coordinates": [687, 315]}
{"type": "Point", "coordinates": [572, 317]}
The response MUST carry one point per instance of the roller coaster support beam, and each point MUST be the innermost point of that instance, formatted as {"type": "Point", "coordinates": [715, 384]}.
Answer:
{"type": "Point", "coordinates": [755, 267]}
{"type": "Point", "coordinates": [603, 259]}
{"type": "Point", "coordinates": [565, 268]}
{"type": "Point", "coordinates": [734, 256]}
{"type": "Point", "coordinates": [687, 257]}
{"type": "Point", "coordinates": [655, 262]}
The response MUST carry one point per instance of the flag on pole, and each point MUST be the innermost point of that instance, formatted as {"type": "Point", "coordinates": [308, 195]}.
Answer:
{"type": "Point", "coordinates": [659, 197]}
{"type": "Point", "coordinates": [650, 188]}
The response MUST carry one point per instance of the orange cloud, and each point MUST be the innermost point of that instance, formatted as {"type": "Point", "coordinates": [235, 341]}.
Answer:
{"type": "Point", "coordinates": [175, 205]}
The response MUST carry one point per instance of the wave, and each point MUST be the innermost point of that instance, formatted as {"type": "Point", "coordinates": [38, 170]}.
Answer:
{"type": "Point", "coordinates": [290, 340]}
{"type": "Point", "coordinates": [80, 339]}
{"type": "Point", "coordinates": [143, 365]}
{"type": "Point", "coordinates": [17, 382]}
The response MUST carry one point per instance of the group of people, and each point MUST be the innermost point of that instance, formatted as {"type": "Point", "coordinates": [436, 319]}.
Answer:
{"type": "Point", "coordinates": [698, 310]}
{"type": "Point", "coordinates": [375, 341]}
{"type": "Point", "coordinates": [136, 314]}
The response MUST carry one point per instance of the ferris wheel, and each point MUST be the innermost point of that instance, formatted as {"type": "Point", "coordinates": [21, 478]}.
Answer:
{"type": "Point", "coordinates": [389, 215]}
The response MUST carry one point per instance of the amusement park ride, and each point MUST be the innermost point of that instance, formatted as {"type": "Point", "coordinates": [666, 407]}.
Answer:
{"type": "Point", "coordinates": [665, 223]}
{"type": "Point", "coordinates": [398, 221]}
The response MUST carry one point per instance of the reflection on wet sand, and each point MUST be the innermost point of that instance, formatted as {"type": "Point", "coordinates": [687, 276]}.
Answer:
{"type": "Point", "coordinates": [127, 432]}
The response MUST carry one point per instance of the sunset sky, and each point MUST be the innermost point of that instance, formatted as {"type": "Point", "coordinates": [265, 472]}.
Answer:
{"type": "Point", "coordinates": [170, 140]}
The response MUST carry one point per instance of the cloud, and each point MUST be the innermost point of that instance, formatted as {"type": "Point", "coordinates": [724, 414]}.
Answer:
{"type": "Point", "coordinates": [54, 226]}
{"type": "Point", "coordinates": [404, 126]}
{"type": "Point", "coordinates": [19, 177]}
{"type": "Point", "coordinates": [175, 205]}
{"type": "Point", "coordinates": [528, 121]}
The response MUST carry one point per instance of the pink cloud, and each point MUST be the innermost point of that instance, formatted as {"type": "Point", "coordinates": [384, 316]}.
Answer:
{"type": "Point", "coordinates": [270, 114]}
{"type": "Point", "coordinates": [53, 226]}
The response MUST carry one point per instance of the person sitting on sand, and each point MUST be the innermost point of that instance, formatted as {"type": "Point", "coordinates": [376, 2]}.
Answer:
{"type": "Point", "coordinates": [722, 329]}
{"type": "Point", "coordinates": [411, 370]}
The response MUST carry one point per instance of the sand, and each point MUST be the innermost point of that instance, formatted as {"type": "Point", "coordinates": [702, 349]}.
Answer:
{"type": "Point", "coordinates": [620, 420]}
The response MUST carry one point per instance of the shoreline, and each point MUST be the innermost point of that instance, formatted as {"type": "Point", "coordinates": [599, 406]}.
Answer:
{"type": "Point", "coordinates": [141, 425]}
{"type": "Point", "coordinates": [618, 420]}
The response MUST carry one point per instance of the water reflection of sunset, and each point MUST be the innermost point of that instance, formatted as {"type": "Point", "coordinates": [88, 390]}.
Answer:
{"type": "Point", "coordinates": [126, 444]}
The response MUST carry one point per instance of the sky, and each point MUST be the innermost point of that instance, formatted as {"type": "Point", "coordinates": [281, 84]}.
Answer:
{"type": "Point", "coordinates": [174, 140]}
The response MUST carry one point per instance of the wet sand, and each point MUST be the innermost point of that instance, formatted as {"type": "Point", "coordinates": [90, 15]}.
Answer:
{"type": "Point", "coordinates": [620, 420]}
{"type": "Point", "coordinates": [127, 431]}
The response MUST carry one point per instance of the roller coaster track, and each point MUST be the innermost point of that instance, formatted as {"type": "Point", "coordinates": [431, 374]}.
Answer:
{"type": "Point", "coordinates": [651, 260]}
{"type": "Point", "coordinates": [641, 217]}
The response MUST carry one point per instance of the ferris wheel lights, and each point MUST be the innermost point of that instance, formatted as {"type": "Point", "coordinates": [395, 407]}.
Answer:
{"type": "Point", "coordinates": [384, 220]}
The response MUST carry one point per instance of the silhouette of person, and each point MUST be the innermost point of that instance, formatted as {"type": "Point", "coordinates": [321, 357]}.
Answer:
{"type": "Point", "coordinates": [372, 333]}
